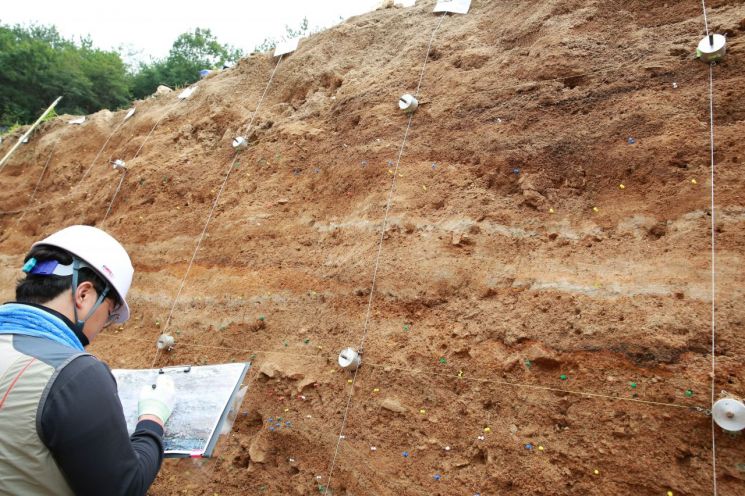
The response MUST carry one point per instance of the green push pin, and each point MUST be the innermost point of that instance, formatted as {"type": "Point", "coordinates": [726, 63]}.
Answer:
{"type": "Point", "coordinates": [285, 343]}
{"type": "Point", "coordinates": [406, 327]}
{"type": "Point", "coordinates": [252, 357]}
{"type": "Point", "coordinates": [563, 377]}
{"type": "Point", "coordinates": [442, 360]}
{"type": "Point", "coordinates": [689, 393]}
{"type": "Point", "coordinates": [306, 340]}
{"type": "Point", "coordinates": [632, 385]}
{"type": "Point", "coordinates": [528, 363]}
{"type": "Point", "coordinates": [261, 318]}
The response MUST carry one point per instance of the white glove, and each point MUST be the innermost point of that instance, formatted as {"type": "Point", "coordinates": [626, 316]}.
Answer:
{"type": "Point", "coordinates": [159, 399]}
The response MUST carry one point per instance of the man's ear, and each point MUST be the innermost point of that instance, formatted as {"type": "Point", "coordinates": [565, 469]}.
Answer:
{"type": "Point", "coordinates": [83, 293]}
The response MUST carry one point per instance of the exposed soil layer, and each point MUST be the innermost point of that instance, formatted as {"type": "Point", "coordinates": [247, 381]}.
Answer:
{"type": "Point", "coordinates": [543, 298]}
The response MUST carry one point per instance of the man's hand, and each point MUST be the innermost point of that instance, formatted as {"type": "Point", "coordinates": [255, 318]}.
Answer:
{"type": "Point", "coordinates": [157, 400]}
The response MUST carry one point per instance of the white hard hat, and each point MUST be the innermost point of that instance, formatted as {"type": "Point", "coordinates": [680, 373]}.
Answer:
{"type": "Point", "coordinates": [102, 252]}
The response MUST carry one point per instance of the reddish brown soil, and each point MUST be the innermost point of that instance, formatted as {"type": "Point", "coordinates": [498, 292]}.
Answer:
{"type": "Point", "coordinates": [517, 245]}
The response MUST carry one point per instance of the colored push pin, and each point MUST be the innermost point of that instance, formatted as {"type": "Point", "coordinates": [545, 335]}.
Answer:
{"type": "Point", "coordinates": [481, 438]}
{"type": "Point", "coordinates": [437, 477]}
{"type": "Point", "coordinates": [675, 86]}
{"type": "Point", "coordinates": [460, 374]}
{"type": "Point", "coordinates": [669, 493]}
{"type": "Point", "coordinates": [443, 360]}
{"type": "Point", "coordinates": [596, 472]}
{"type": "Point", "coordinates": [632, 385]}
{"type": "Point", "coordinates": [487, 429]}
{"type": "Point", "coordinates": [528, 363]}
{"type": "Point", "coordinates": [406, 327]}
{"type": "Point", "coordinates": [405, 454]}
{"type": "Point", "coordinates": [631, 141]}
{"type": "Point", "coordinates": [689, 393]}
{"type": "Point", "coordinates": [621, 186]}
{"type": "Point", "coordinates": [540, 448]}
{"type": "Point", "coordinates": [447, 448]}
{"type": "Point", "coordinates": [424, 188]}
{"type": "Point", "coordinates": [349, 381]}
{"type": "Point", "coordinates": [422, 411]}
{"type": "Point", "coordinates": [516, 171]}
{"type": "Point", "coordinates": [693, 181]}
{"type": "Point", "coordinates": [595, 209]}
{"type": "Point", "coordinates": [563, 377]}
{"type": "Point", "coordinates": [551, 210]}
{"type": "Point", "coordinates": [376, 390]}
{"type": "Point", "coordinates": [529, 446]}
{"type": "Point", "coordinates": [373, 448]}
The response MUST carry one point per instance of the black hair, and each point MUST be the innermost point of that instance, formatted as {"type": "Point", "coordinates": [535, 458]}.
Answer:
{"type": "Point", "coordinates": [41, 289]}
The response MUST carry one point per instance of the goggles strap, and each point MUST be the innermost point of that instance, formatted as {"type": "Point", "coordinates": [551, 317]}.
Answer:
{"type": "Point", "coordinates": [80, 323]}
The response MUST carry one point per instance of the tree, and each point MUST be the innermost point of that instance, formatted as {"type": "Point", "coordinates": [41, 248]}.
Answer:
{"type": "Point", "coordinates": [190, 53]}
{"type": "Point", "coordinates": [37, 65]}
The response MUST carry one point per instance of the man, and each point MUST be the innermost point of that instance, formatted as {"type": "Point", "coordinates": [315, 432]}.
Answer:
{"type": "Point", "coordinates": [62, 428]}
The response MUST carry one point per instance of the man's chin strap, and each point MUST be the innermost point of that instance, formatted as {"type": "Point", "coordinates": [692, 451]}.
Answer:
{"type": "Point", "coordinates": [80, 323]}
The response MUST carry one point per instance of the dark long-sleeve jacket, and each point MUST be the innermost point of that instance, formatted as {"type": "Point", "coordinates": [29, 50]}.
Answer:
{"type": "Point", "coordinates": [62, 428]}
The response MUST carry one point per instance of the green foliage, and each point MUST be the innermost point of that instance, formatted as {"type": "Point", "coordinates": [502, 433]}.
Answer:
{"type": "Point", "coordinates": [37, 65]}
{"type": "Point", "coordinates": [10, 130]}
{"type": "Point", "coordinates": [190, 53]}
{"type": "Point", "coordinates": [51, 115]}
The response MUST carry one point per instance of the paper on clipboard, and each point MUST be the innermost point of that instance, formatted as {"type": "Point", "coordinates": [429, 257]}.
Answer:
{"type": "Point", "coordinates": [204, 397]}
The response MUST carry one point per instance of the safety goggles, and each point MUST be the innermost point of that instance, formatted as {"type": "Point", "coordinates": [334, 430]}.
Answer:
{"type": "Point", "coordinates": [113, 315]}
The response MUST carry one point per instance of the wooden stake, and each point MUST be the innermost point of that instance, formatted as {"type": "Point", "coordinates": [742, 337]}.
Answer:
{"type": "Point", "coordinates": [27, 133]}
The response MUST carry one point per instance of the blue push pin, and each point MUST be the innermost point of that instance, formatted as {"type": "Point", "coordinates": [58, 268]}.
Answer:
{"type": "Point", "coordinates": [271, 429]}
{"type": "Point", "coordinates": [405, 454]}
{"type": "Point", "coordinates": [270, 419]}
{"type": "Point", "coordinates": [288, 424]}
{"type": "Point", "coordinates": [631, 140]}
{"type": "Point", "coordinates": [437, 477]}
{"type": "Point", "coordinates": [528, 446]}
{"type": "Point", "coordinates": [516, 170]}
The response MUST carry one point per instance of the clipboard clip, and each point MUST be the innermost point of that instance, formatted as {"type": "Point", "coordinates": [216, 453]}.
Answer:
{"type": "Point", "coordinates": [186, 369]}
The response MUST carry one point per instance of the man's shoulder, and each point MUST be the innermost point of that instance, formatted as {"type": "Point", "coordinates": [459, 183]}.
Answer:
{"type": "Point", "coordinates": [50, 352]}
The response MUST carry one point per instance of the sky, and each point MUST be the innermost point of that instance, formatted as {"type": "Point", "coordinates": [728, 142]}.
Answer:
{"type": "Point", "coordinates": [148, 28]}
